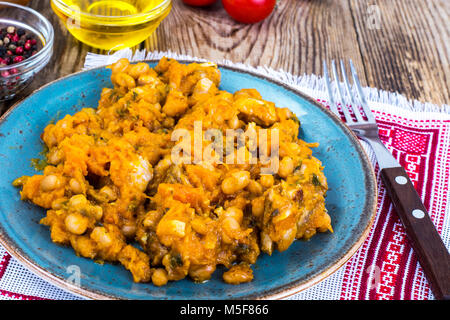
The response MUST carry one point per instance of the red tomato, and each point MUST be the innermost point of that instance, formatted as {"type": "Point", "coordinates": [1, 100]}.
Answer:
{"type": "Point", "coordinates": [249, 11]}
{"type": "Point", "coordinates": [199, 3]}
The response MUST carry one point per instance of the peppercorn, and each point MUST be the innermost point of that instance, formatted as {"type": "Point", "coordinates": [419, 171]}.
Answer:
{"type": "Point", "coordinates": [18, 59]}
{"type": "Point", "coordinates": [16, 45]}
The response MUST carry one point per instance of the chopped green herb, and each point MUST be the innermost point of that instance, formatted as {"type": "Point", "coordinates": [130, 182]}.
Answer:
{"type": "Point", "coordinates": [298, 166]}
{"type": "Point", "coordinates": [176, 260]}
{"type": "Point", "coordinates": [242, 249]}
{"type": "Point", "coordinates": [315, 180]}
{"type": "Point", "coordinates": [275, 213]}
{"type": "Point", "coordinates": [122, 112]}
{"type": "Point", "coordinates": [132, 206]}
{"type": "Point", "coordinates": [39, 164]}
{"type": "Point", "coordinates": [295, 119]}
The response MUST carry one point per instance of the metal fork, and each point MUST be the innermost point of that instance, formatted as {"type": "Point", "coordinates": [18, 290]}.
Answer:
{"type": "Point", "coordinates": [424, 238]}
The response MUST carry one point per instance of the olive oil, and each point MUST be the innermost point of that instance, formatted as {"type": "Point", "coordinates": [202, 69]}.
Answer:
{"type": "Point", "coordinates": [111, 24]}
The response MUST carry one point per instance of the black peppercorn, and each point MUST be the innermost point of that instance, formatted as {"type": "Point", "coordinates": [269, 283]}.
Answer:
{"type": "Point", "coordinates": [16, 45]}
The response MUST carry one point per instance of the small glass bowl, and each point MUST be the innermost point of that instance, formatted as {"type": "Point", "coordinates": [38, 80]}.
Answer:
{"type": "Point", "coordinates": [111, 25]}
{"type": "Point", "coordinates": [15, 77]}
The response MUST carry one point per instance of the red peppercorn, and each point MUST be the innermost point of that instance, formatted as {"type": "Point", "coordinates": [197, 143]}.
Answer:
{"type": "Point", "coordinates": [9, 53]}
{"type": "Point", "coordinates": [33, 42]}
{"type": "Point", "coordinates": [15, 38]}
{"type": "Point", "coordinates": [13, 71]}
{"type": "Point", "coordinates": [27, 46]}
{"type": "Point", "coordinates": [5, 74]}
{"type": "Point", "coordinates": [18, 59]}
{"type": "Point", "coordinates": [19, 50]}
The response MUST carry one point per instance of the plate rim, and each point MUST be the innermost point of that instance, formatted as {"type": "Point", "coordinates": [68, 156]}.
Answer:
{"type": "Point", "coordinates": [282, 292]}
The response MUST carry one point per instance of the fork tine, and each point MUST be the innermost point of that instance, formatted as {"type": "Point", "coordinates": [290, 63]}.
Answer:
{"type": "Point", "coordinates": [364, 104]}
{"type": "Point", "coordinates": [354, 105]}
{"type": "Point", "coordinates": [333, 106]}
{"type": "Point", "coordinates": [347, 116]}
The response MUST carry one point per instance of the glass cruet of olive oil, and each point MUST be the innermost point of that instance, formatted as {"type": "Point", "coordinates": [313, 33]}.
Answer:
{"type": "Point", "coordinates": [111, 24]}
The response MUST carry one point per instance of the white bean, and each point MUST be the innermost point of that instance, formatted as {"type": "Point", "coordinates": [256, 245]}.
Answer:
{"type": "Point", "coordinates": [76, 223]}
{"type": "Point", "coordinates": [49, 183]}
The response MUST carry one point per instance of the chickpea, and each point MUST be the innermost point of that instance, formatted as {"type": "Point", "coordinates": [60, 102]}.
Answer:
{"type": "Point", "coordinates": [75, 186]}
{"type": "Point", "coordinates": [157, 107]}
{"type": "Point", "coordinates": [146, 79]}
{"type": "Point", "coordinates": [124, 80]}
{"type": "Point", "coordinates": [243, 177]}
{"type": "Point", "coordinates": [120, 66]}
{"type": "Point", "coordinates": [54, 156]}
{"type": "Point", "coordinates": [238, 274]}
{"type": "Point", "coordinates": [78, 201]}
{"type": "Point", "coordinates": [129, 229]}
{"type": "Point", "coordinates": [138, 69]}
{"type": "Point", "coordinates": [108, 193]}
{"type": "Point", "coordinates": [159, 277]}
{"type": "Point", "coordinates": [49, 183]}
{"type": "Point", "coordinates": [76, 223]}
{"type": "Point", "coordinates": [258, 206]}
{"type": "Point", "coordinates": [151, 219]}
{"type": "Point", "coordinates": [234, 122]}
{"type": "Point", "coordinates": [96, 212]}
{"type": "Point", "coordinates": [199, 226]}
{"type": "Point", "coordinates": [228, 186]}
{"type": "Point", "coordinates": [101, 236]}
{"type": "Point", "coordinates": [201, 273]}
{"type": "Point", "coordinates": [266, 180]}
{"type": "Point", "coordinates": [238, 181]}
{"type": "Point", "coordinates": [231, 226]}
{"type": "Point", "coordinates": [286, 167]}
{"type": "Point", "coordinates": [235, 213]}
{"type": "Point", "coordinates": [58, 204]}
{"type": "Point", "coordinates": [255, 188]}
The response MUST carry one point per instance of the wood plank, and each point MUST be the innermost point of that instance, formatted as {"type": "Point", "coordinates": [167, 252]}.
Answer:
{"type": "Point", "coordinates": [296, 37]}
{"type": "Point", "coordinates": [409, 52]}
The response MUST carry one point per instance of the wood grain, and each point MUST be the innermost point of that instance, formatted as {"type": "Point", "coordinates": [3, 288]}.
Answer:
{"type": "Point", "coordinates": [408, 53]}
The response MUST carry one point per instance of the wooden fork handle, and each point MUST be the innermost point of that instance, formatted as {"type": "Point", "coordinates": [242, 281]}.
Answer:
{"type": "Point", "coordinates": [424, 238]}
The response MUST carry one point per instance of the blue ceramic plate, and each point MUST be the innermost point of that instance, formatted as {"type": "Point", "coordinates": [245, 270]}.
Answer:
{"type": "Point", "coordinates": [351, 199]}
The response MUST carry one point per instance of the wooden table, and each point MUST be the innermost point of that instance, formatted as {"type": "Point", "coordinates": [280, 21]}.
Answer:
{"type": "Point", "coordinates": [400, 46]}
